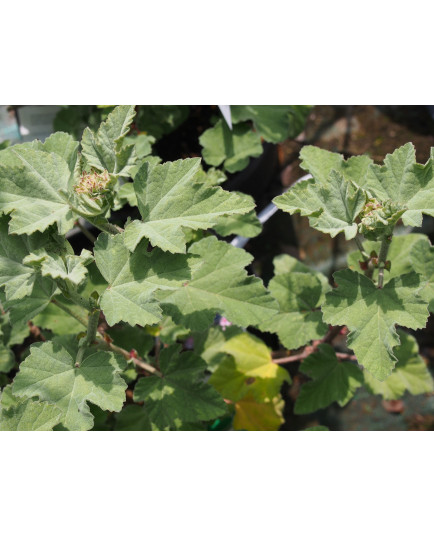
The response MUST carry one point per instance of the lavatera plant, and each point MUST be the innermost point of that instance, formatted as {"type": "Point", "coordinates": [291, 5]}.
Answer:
{"type": "Point", "coordinates": [125, 335]}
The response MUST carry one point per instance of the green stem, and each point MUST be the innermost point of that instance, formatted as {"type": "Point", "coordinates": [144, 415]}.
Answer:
{"type": "Point", "coordinates": [77, 298]}
{"type": "Point", "coordinates": [105, 226]}
{"type": "Point", "coordinates": [361, 248]}
{"type": "Point", "coordinates": [92, 327]}
{"type": "Point", "coordinates": [382, 258]}
{"type": "Point", "coordinates": [69, 311]}
{"type": "Point", "coordinates": [86, 232]}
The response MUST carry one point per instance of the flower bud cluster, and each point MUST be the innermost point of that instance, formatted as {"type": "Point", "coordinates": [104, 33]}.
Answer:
{"type": "Point", "coordinates": [93, 184]}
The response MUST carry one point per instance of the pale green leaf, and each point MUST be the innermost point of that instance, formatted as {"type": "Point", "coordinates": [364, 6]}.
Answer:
{"type": "Point", "coordinates": [274, 123]}
{"type": "Point", "coordinates": [49, 373]}
{"type": "Point", "coordinates": [17, 279]}
{"type": "Point", "coordinates": [7, 359]}
{"type": "Point", "coordinates": [240, 224]}
{"type": "Point", "coordinates": [299, 321]}
{"type": "Point", "coordinates": [422, 260]}
{"type": "Point", "coordinates": [332, 207]}
{"type": "Point", "coordinates": [410, 374]}
{"type": "Point", "coordinates": [219, 284]}
{"type": "Point", "coordinates": [70, 268]}
{"type": "Point", "coordinates": [249, 371]}
{"type": "Point", "coordinates": [105, 150]}
{"type": "Point", "coordinates": [286, 264]}
{"type": "Point", "coordinates": [170, 200]}
{"type": "Point", "coordinates": [404, 182]}
{"type": "Point", "coordinates": [233, 148]}
{"type": "Point", "coordinates": [63, 145]}
{"type": "Point", "coordinates": [133, 278]}
{"type": "Point", "coordinates": [30, 181]}
{"type": "Point", "coordinates": [333, 380]}
{"type": "Point", "coordinates": [320, 163]}
{"type": "Point", "coordinates": [23, 310]}
{"type": "Point", "coordinates": [28, 415]}
{"type": "Point", "coordinates": [371, 314]}
{"type": "Point", "coordinates": [181, 394]}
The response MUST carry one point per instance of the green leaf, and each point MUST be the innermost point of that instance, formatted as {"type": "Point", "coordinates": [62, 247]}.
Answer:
{"type": "Point", "coordinates": [240, 224]}
{"type": "Point", "coordinates": [333, 381]}
{"type": "Point", "coordinates": [372, 313]}
{"type": "Point", "coordinates": [274, 123]}
{"type": "Point", "coordinates": [209, 344]}
{"type": "Point", "coordinates": [17, 279]}
{"type": "Point", "coordinates": [318, 428]}
{"type": "Point", "coordinates": [181, 394]}
{"type": "Point", "coordinates": [49, 373]}
{"type": "Point", "coordinates": [132, 338]}
{"type": "Point", "coordinates": [7, 359]}
{"type": "Point", "coordinates": [133, 419]}
{"type": "Point", "coordinates": [170, 200]}
{"type": "Point", "coordinates": [411, 373]}
{"type": "Point", "coordinates": [219, 284]}
{"type": "Point", "coordinates": [63, 145]}
{"type": "Point", "coordinates": [422, 260]}
{"type": "Point", "coordinates": [23, 310]}
{"type": "Point", "coordinates": [252, 415]}
{"type": "Point", "coordinates": [58, 321]}
{"type": "Point", "coordinates": [26, 415]}
{"type": "Point", "coordinates": [399, 254]}
{"type": "Point", "coordinates": [286, 264]}
{"type": "Point", "coordinates": [105, 150]}
{"type": "Point", "coordinates": [320, 163]}
{"type": "Point", "coordinates": [233, 148]}
{"type": "Point", "coordinates": [70, 268]}
{"type": "Point", "coordinates": [249, 371]}
{"type": "Point", "coordinates": [30, 181]}
{"type": "Point", "coordinates": [404, 182]}
{"type": "Point", "coordinates": [133, 279]}
{"type": "Point", "coordinates": [160, 120]}
{"type": "Point", "coordinates": [299, 295]}
{"type": "Point", "coordinates": [332, 207]}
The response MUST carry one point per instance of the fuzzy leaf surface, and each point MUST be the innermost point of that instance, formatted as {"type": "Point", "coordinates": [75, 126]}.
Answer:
{"type": "Point", "coordinates": [170, 200]}
{"type": "Point", "coordinates": [219, 284]}
{"type": "Point", "coordinates": [17, 278]}
{"type": "Point", "coordinates": [105, 149]}
{"type": "Point", "coordinates": [332, 207]}
{"type": "Point", "coordinates": [405, 182]}
{"type": "Point", "coordinates": [410, 374]}
{"type": "Point", "coordinates": [372, 313]}
{"type": "Point", "coordinates": [133, 279]}
{"type": "Point", "coordinates": [232, 148]}
{"type": "Point", "coordinates": [299, 321]}
{"type": "Point", "coordinates": [26, 415]}
{"type": "Point", "coordinates": [49, 373]}
{"type": "Point", "coordinates": [320, 163]}
{"type": "Point", "coordinates": [333, 381]}
{"type": "Point", "coordinates": [30, 181]}
{"type": "Point", "coordinates": [180, 395]}
{"type": "Point", "coordinates": [422, 260]}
